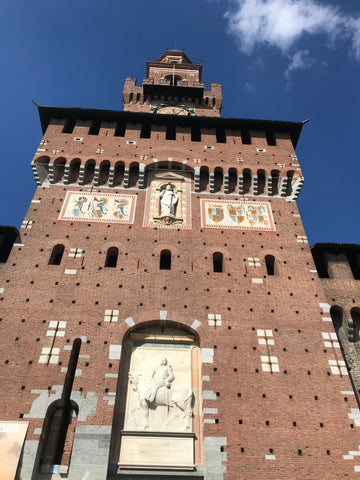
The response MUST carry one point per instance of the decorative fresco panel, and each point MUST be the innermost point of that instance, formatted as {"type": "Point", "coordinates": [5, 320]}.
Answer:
{"type": "Point", "coordinates": [168, 200]}
{"type": "Point", "coordinates": [236, 214]}
{"type": "Point", "coordinates": [98, 207]}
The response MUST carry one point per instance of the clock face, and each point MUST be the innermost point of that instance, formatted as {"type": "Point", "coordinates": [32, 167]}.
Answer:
{"type": "Point", "coordinates": [173, 111]}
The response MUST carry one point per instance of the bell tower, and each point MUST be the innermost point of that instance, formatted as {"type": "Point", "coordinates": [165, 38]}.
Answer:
{"type": "Point", "coordinates": [173, 86]}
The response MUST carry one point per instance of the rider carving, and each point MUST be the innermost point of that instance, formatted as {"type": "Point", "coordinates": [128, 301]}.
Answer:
{"type": "Point", "coordinates": [161, 377]}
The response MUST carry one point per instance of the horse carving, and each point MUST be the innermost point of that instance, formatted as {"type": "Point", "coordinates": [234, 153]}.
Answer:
{"type": "Point", "coordinates": [178, 401]}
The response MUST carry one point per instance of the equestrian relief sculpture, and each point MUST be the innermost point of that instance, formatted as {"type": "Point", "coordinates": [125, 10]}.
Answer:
{"type": "Point", "coordinates": [158, 391]}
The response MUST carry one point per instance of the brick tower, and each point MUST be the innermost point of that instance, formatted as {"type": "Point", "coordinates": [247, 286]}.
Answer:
{"type": "Point", "coordinates": [161, 315]}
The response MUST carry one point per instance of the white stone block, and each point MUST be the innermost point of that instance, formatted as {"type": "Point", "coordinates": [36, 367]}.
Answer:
{"type": "Point", "coordinates": [207, 355]}
{"type": "Point", "coordinates": [53, 324]}
{"type": "Point", "coordinates": [265, 367]}
{"type": "Point", "coordinates": [261, 333]}
{"type": "Point", "coordinates": [195, 325]}
{"type": "Point", "coordinates": [45, 350]}
{"type": "Point", "coordinates": [211, 411]}
{"type": "Point", "coordinates": [107, 318]}
{"type": "Point", "coordinates": [264, 358]}
{"type": "Point", "coordinates": [43, 358]}
{"type": "Point", "coordinates": [271, 342]}
{"type": "Point", "coordinates": [211, 323]}
{"type": "Point", "coordinates": [268, 333]}
{"type": "Point", "coordinates": [275, 368]}
{"type": "Point", "coordinates": [54, 359]}
{"type": "Point", "coordinates": [62, 324]}
{"type": "Point", "coordinates": [130, 321]}
{"type": "Point", "coordinates": [325, 307]}
{"type": "Point", "coordinates": [114, 352]}
{"type": "Point", "coordinates": [211, 316]}
{"type": "Point", "coordinates": [60, 333]}
{"type": "Point", "coordinates": [257, 280]}
{"type": "Point", "coordinates": [262, 341]}
{"type": "Point", "coordinates": [270, 457]}
{"type": "Point", "coordinates": [328, 344]}
{"type": "Point", "coordinates": [50, 333]}
{"type": "Point", "coordinates": [326, 319]}
{"type": "Point", "coordinates": [108, 312]}
{"type": "Point", "coordinates": [69, 271]}
{"type": "Point", "coordinates": [335, 370]}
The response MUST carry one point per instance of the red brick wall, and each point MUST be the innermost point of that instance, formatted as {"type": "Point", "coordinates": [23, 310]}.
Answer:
{"type": "Point", "coordinates": [303, 403]}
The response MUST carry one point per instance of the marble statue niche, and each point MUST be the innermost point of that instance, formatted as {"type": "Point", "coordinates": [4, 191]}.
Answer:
{"type": "Point", "coordinates": [161, 401]}
{"type": "Point", "coordinates": [168, 199]}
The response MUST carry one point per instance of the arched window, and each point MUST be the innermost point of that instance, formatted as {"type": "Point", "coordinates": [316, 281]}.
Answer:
{"type": "Point", "coordinates": [119, 174]}
{"type": "Point", "coordinates": [218, 179]}
{"type": "Point", "coordinates": [217, 262]}
{"type": "Point", "coordinates": [56, 255]}
{"type": "Point", "coordinates": [165, 260]}
{"type": "Point", "coordinates": [89, 171]}
{"type": "Point", "coordinates": [42, 168]}
{"type": "Point", "coordinates": [290, 176]}
{"type": "Point", "coordinates": [134, 175]}
{"type": "Point", "coordinates": [173, 79]}
{"type": "Point", "coordinates": [247, 180]}
{"type": "Point", "coordinates": [270, 264]}
{"type": "Point", "coordinates": [112, 257]}
{"type": "Point", "coordinates": [59, 169]}
{"type": "Point", "coordinates": [104, 172]}
{"type": "Point", "coordinates": [275, 174]}
{"type": "Point", "coordinates": [233, 180]}
{"type": "Point", "coordinates": [204, 179]}
{"type": "Point", "coordinates": [74, 170]}
{"type": "Point", "coordinates": [261, 181]}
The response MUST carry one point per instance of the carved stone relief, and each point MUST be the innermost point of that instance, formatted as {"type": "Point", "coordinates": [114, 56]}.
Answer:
{"type": "Point", "coordinates": [159, 397]}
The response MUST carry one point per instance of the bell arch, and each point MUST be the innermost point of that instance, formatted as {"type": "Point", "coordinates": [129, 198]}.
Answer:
{"type": "Point", "coordinates": [158, 397]}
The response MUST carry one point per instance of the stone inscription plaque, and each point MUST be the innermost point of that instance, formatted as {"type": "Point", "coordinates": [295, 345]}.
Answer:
{"type": "Point", "coordinates": [163, 451]}
{"type": "Point", "coordinates": [236, 215]}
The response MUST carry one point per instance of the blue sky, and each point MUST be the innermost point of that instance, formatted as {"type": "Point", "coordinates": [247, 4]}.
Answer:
{"type": "Point", "coordinates": [277, 59]}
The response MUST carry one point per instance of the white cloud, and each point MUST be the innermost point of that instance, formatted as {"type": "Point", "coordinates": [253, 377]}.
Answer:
{"type": "Point", "coordinates": [282, 23]}
{"type": "Point", "coordinates": [300, 60]}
